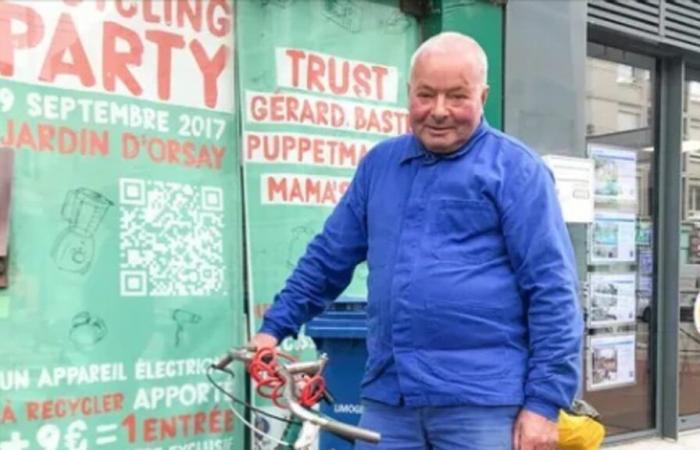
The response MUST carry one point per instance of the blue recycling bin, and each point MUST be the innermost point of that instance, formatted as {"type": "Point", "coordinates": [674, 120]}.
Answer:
{"type": "Point", "coordinates": [340, 332]}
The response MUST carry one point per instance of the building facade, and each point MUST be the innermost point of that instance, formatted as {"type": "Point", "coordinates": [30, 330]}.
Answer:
{"type": "Point", "coordinates": [616, 82]}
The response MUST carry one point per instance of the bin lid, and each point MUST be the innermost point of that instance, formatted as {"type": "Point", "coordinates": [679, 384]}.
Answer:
{"type": "Point", "coordinates": [342, 320]}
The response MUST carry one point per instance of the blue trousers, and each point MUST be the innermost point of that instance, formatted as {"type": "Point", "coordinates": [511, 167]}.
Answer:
{"type": "Point", "coordinates": [439, 428]}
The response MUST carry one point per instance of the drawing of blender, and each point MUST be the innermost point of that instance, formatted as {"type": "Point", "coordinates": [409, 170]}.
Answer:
{"type": "Point", "coordinates": [74, 248]}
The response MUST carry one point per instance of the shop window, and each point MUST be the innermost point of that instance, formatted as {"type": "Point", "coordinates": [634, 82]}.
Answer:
{"type": "Point", "coordinates": [619, 301]}
{"type": "Point", "coordinates": [689, 279]}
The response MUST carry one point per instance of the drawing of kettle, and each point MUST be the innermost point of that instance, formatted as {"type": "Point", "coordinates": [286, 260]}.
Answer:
{"type": "Point", "coordinates": [86, 330]}
{"type": "Point", "coordinates": [74, 248]}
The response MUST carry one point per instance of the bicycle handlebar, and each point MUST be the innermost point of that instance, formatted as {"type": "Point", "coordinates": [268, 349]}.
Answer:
{"type": "Point", "coordinates": [305, 415]}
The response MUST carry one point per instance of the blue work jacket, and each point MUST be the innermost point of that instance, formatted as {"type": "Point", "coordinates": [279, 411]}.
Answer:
{"type": "Point", "coordinates": [472, 282]}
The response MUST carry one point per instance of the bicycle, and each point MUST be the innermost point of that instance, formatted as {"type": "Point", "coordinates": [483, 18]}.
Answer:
{"type": "Point", "coordinates": [293, 385]}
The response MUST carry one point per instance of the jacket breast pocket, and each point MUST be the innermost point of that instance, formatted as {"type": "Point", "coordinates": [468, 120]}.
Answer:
{"type": "Point", "coordinates": [465, 231]}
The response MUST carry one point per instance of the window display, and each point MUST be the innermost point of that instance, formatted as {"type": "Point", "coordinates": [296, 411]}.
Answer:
{"type": "Point", "coordinates": [620, 246]}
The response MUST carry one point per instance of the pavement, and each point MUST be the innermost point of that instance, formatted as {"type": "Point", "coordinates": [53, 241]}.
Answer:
{"type": "Point", "coordinates": [686, 441]}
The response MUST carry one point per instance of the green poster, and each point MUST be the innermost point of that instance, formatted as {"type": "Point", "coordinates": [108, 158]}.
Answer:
{"type": "Point", "coordinates": [320, 83]}
{"type": "Point", "coordinates": [126, 258]}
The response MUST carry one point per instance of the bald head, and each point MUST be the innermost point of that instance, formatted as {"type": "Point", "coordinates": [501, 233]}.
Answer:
{"type": "Point", "coordinates": [459, 45]}
{"type": "Point", "coordinates": [447, 91]}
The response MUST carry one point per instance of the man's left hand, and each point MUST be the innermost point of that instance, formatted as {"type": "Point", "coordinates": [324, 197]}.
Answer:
{"type": "Point", "coordinates": [534, 432]}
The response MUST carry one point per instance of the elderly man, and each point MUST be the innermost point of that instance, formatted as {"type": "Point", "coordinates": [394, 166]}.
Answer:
{"type": "Point", "coordinates": [473, 324]}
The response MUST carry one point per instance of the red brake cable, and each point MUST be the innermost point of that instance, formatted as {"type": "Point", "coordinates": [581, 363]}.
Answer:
{"type": "Point", "coordinates": [264, 370]}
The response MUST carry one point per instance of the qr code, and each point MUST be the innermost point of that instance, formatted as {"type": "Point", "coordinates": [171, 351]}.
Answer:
{"type": "Point", "coordinates": [170, 239]}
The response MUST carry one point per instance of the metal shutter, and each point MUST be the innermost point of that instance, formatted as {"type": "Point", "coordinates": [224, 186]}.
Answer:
{"type": "Point", "coordinates": [671, 22]}
{"type": "Point", "coordinates": [640, 18]}
{"type": "Point", "coordinates": [682, 24]}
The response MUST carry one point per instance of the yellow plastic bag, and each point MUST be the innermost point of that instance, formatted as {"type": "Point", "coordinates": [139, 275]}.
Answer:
{"type": "Point", "coordinates": [579, 432]}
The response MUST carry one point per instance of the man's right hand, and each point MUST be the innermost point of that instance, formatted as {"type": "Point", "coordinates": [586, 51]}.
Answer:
{"type": "Point", "coordinates": [262, 340]}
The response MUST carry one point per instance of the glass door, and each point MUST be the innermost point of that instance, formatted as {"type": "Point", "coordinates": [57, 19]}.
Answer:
{"type": "Point", "coordinates": [689, 282]}
{"type": "Point", "coordinates": [619, 287]}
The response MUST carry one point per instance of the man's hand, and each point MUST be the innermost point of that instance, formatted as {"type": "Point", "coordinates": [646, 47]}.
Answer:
{"type": "Point", "coordinates": [534, 432]}
{"type": "Point", "coordinates": [262, 340]}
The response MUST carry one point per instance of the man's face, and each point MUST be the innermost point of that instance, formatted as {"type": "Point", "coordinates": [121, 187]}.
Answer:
{"type": "Point", "coordinates": [447, 97]}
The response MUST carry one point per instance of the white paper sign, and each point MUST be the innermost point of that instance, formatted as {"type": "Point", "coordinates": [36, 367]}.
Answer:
{"type": "Point", "coordinates": [611, 299]}
{"type": "Point", "coordinates": [574, 178]}
{"type": "Point", "coordinates": [615, 174]}
{"type": "Point", "coordinates": [610, 361]}
{"type": "Point", "coordinates": [612, 238]}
